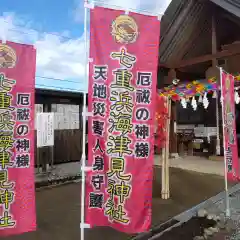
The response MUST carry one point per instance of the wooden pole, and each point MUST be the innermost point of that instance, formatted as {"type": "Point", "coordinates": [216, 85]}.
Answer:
{"type": "Point", "coordinates": [163, 172]}
{"type": "Point", "coordinates": [214, 39]}
{"type": "Point", "coordinates": [38, 159]}
{"type": "Point", "coordinates": [44, 159]}
{"type": "Point", "coordinates": [52, 147]}
{"type": "Point", "coordinates": [165, 154]}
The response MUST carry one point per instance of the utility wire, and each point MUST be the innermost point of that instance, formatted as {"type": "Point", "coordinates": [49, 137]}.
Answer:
{"type": "Point", "coordinates": [33, 32]}
{"type": "Point", "coordinates": [44, 77]}
{"type": "Point", "coordinates": [61, 88]}
{"type": "Point", "coordinates": [57, 79]}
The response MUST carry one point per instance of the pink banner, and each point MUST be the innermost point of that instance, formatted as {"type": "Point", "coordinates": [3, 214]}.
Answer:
{"type": "Point", "coordinates": [122, 93]}
{"type": "Point", "coordinates": [17, 188]}
{"type": "Point", "coordinates": [230, 139]}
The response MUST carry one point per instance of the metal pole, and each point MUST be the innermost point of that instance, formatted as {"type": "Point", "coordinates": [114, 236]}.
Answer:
{"type": "Point", "coordinates": [84, 112]}
{"type": "Point", "coordinates": [165, 105]}
{"type": "Point", "coordinates": [168, 146]}
{"type": "Point", "coordinates": [217, 125]}
{"type": "Point", "coordinates": [225, 160]}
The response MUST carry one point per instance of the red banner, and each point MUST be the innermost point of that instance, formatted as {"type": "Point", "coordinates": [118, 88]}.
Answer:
{"type": "Point", "coordinates": [122, 93]}
{"type": "Point", "coordinates": [229, 126]}
{"type": "Point", "coordinates": [17, 188]}
{"type": "Point", "coordinates": [162, 116]}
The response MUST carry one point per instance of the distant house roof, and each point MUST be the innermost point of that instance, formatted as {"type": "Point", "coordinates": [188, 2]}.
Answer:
{"type": "Point", "coordinates": [58, 93]}
{"type": "Point", "coordinates": [43, 95]}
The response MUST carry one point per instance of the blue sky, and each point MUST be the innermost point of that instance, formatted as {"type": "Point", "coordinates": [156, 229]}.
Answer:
{"type": "Point", "coordinates": [55, 27]}
{"type": "Point", "coordinates": [46, 15]}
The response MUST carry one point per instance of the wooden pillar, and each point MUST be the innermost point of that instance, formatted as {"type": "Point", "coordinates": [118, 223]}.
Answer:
{"type": "Point", "coordinates": [44, 153]}
{"type": "Point", "coordinates": [214, 40]}
{"type": "Point", "coordinates": [173, 134]}
{"type": "Point", "coordinates": [171, 75]}
{"type": "Point", "coordinates": [214, 72]}
{"type": "Point", "coordinates": [173, 131]}
{"type": "Point", "coordinates": [81, 127]}
{"type": "Point", "coordinates": [51, 148]}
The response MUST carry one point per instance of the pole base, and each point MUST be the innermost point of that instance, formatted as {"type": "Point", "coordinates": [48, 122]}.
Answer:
{"type": "Point", "coordinates": [165, 195]}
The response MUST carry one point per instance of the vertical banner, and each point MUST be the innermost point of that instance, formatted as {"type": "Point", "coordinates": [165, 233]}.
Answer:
{"type": "Point", "coordinates": [229, 127]}
{"type": "Point", "coordinates": [17, 187]}
{"type": "Point", "coordinates": [122, 94]}
{"type": "Point", "coordinates": [162, 113]}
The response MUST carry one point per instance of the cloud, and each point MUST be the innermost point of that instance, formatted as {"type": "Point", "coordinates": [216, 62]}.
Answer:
{"type": "Point", "coordinates": [152, 6]}
{"type": "Point", "coordinates": [158, 7]}
{"type": "Point", "coordinates": [58, 56]}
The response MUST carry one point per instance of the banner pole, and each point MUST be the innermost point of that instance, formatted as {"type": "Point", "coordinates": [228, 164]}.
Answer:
{"type": "Point", "coordinates": [217, 125]}
{"type": "Point", "coordinates": [225, 159]}
{"type": "Point", "coordinates": [168, 155]}
{"type": "Point", "coordinates": [164, 151]}
{"type": "Point", "coordinates": [84, 113]}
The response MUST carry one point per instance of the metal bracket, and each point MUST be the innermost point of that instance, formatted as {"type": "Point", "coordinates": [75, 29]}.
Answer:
{"type": "Point", "coordinates": [159, 17]}
{"type": "Point", "coordinates": [4, 40]}
{"type": "Point", "coordinates": [85, 225]}
{"type": "Point", "coordinates": [89, 5]}
{"type": "Point", "coordinates": [228, 214]}
{"type": "Point", "coordinates": [86, 169]}
{"type": "Point", "coordinates": [87, 114]}
{"type": "Point", "coordinates": [221, 99]}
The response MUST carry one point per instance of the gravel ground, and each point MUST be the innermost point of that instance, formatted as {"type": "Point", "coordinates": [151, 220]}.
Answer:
{"type": "Point", "coordinates": [233, 231]}
{"type": "Point", "coordinates": [58, 209]}
{"type": "Point", "coordinates": [195, 226]}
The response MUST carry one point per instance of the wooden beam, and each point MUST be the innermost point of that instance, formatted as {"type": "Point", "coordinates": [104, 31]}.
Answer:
{"type": "Point", "coordinates": [208, 57]}
{"type": "Point", "coordinates": [228, 50]}
{"type": "Point", "coordinates": [232, 46]}
{"type": "Point", "coordinates": [231, 18]}
{"type": "Point", "coordinates": [164, 65]}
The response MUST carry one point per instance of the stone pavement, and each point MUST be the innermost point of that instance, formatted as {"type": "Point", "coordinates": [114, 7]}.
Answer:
{"type": "Point", "coordinates": [58, 209]}
{"type": "Point", "coordinates": [219, 208]}
{"type": "Point", "coordinates": [213, 206]}
{"type": "Point", "coordinates": [59, 171]}
{"type": "Point", "coordinates": [197, 164]}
